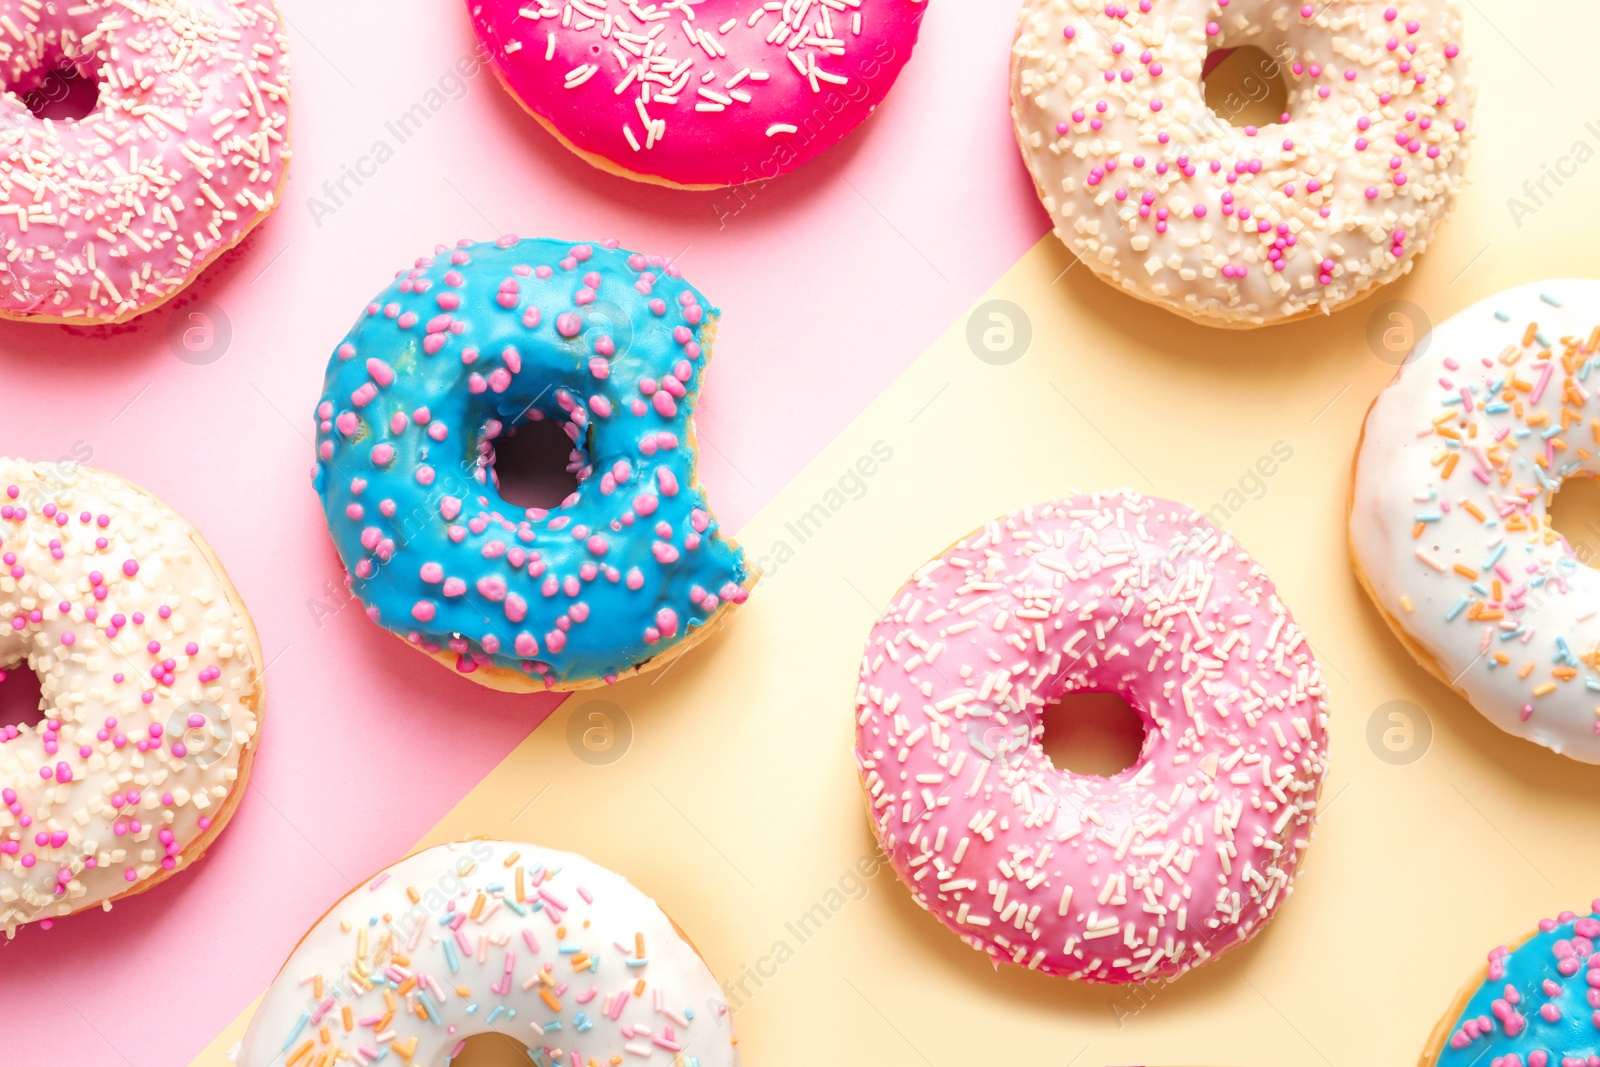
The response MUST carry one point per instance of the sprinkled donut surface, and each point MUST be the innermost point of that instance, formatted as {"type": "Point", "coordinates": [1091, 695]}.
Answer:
{"type": "Point", "coordinates": [1536, 1005]}
{"type": "Point", "coordinates": [150, 673]}
{"type": "Point", "coordinates": [1450, 525]}
{"type": "Point", "coordinates": [462, 349]}
{"type": "Point", "coordinates": [699, 93]}
{"type": "Point", "coordinates": [109, 215]}
{"type": "Point", "coordinates": [482, 936]}
{"type": "Point", "coordinates": [1143, 874]}
{"type": "Point", "coordinates": [1244, 226]}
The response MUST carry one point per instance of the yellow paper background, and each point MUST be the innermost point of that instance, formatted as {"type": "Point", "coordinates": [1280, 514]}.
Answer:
{"type": "Point", "coordinates": [737, 805]}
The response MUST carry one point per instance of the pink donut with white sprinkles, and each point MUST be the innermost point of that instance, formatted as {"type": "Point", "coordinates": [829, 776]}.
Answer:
{"type": "Point", "coordinates": [1157, 191]}
{"type": "Point", "coordinates": [1141, 875]}
{"type": "Point", "coordinates": [698, 94]}
{"type": "Point", "coordinates": [106, 216]}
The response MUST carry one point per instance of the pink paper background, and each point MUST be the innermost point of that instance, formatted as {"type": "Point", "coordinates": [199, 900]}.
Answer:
{"type": "Point", "coordinates": [831, 280]}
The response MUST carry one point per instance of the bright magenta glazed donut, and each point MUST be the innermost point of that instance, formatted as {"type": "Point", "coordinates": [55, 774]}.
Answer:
{"type": "Point", "coordinates": [106, 216]}
{"type": "Point", "coordinates": [1146, 873]}
{"type": "Point", "coordinates": [698, 94]}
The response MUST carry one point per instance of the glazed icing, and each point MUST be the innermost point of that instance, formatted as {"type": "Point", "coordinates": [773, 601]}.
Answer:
{"type": "Point", "coordinates": [1450, 514]}
{"type": "Point", "coordinates": [699, 92]}
{"type": "Point", "coordinates": [148, 668]}
{"type": "Point", "coordinates": [482, 936]}
{"type": "Point", "coordinates": [1539, 1004]}
{"type": "Point", "coordinates": [1143, 874]}
{"type": "Point", "coordinates": [1240, 226]}
{"type": "Point", "coordinates": [464, 347]}
{"type": "Point", "coordinates": [105, 216]}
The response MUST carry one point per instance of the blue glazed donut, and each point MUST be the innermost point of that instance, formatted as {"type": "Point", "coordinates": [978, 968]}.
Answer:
{"type": "Point", "coordinates": [462, 349]}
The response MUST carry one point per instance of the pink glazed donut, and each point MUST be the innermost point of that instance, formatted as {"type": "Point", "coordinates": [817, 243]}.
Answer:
{"type": "Point", "coordinates": [106, 216]}
{"type": "Point", "coordinates": [698, 94]}
{"type": "Point", "coordinates": [1141, 875]}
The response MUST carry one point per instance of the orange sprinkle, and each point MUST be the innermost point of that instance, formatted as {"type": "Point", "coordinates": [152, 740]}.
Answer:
{"type": "Point", "coordinates": [416, 898]}
{"type": "Point", "coordinates": [512, 859]}
{"type": "Point", "coordinates": [521, 897]}
{"type": "Point", "coordinates": [477, 906]}
{"type": "Point", "coordinates": [1450, 464]}
{"type": "Point", "coordinates": [1541, 690]}
{"type": "Point", "coordinates": [549, 998]}
{"type": "Point", "coordinates": [301, 1052]}
{"type": "Point", "coordinates": [349, 1018]}
{"type": "Point", "coordinates": [638, 988]}
{"type": "Point", "coordinates": [1532, 334]}
{"type": "Point", "coordinates": [1566, 674]}
{"type": "Point", "coordinates": [638, 945]}
{"type": "Point", "coordinates": [1466, 572]}
{"type": "Point", "coordinates": [1524, 670]}
{"type": "Point", "coordinates": [1472, 509]}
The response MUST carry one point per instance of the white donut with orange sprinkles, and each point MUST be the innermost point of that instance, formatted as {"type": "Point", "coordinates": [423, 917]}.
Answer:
{"type": "Point", "coordinates": [1450, 527]}
{"type": "Point", "coordinates": [106, 216]}
{"type": "Point", "coordinates": [1244, 226]}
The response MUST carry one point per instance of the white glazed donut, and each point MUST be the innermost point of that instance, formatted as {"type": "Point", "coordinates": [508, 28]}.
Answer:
{"type": "Point", "coordinates": [152, 692]}
{"type": "Point", "coordinates": [484, 936]}
{"type": "Point", "coordinates": [1449, 515]}
{"type": "Point", "coordinates": [1243, 226]}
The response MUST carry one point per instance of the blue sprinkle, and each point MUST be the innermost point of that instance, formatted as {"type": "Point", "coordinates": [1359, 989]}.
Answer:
{"type": "Point", "coordinates": [1502, 316]}
{"type": "Point", "coordinates": [305, 1020]}
{"type": "Point", "coordinates": [450, 956]}
{"type": "Point", "coordinates": [1429, 516]}
{"type": "Point", "coordinates": [1494, 557]}
{"type": "Point", "coordinates": [582, 1022]}
{"type": "Point", "coordinates": [499, 1010]}
{"type": "Point", "coordinates": [1548, 299]}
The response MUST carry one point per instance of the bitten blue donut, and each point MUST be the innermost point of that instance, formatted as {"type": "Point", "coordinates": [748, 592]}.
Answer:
{"type": "Point", "coordinates": [462, 349]}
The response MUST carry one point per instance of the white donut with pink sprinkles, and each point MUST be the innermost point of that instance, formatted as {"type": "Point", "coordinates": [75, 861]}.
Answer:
{"type": "Point", "coordinates": [105, 216]}
{"type": "Point", "coordinates": [1141, 875]}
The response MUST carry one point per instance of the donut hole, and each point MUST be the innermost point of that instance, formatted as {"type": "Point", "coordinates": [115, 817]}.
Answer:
{"type": "Point", "coordinates": [21, 700]}
{"type": "Point", "coordinates": [59, 92]}
{"type": "Point", "coordinates": [1244, 87]}
{"type": "Point", "coordinates": [491, 1050]}
{"type": "Point", "coordinates": [1575, 514]}
{"type": "Point", "coordinates": [1093, 733]}
{"type": "Point", "coordinates": [536, 465]}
